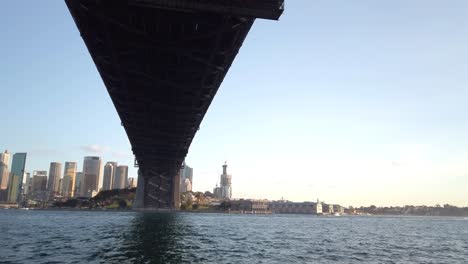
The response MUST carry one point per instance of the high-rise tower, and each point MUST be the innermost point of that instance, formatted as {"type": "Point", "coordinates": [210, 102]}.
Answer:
{"type": "Point", "coordinates": [69, 176]}
{"type": "Point", "coordinates": [121, 177]}
{"type": "Point", "coordinates": [186, 176]}
{"type": "Point", "coordinates": [4, 169]}
{"type": "Point", "coordinates": [16, 177]}
{"type": "Point", "coordinates": [109, 176]}
{"type": "Point", "coordinates": [91, 175]}
{"type": "Point", "coordinates": [53, 183]}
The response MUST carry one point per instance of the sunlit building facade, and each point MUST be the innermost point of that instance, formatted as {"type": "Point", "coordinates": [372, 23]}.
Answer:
{"type": "Point", "coordinates": [109, 175]}
{"type": "Point", "coordinates": [69, 177]}
{"type": "Point", "coordinates": [4, 169]}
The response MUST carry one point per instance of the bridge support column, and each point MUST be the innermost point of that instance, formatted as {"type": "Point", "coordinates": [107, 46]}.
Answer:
{"type": "Point", "coordinates": [140, 192]}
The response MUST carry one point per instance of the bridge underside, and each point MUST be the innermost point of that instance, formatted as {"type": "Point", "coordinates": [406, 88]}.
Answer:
{"type": "Point", "coordinates": [162, 63]}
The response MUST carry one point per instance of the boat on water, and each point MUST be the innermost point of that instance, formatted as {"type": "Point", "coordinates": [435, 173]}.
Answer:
{"type": "Point", "coordinates": [336, 214]}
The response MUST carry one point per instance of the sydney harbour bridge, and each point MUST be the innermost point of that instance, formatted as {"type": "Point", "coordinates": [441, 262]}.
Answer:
{"type": "Point", "coordinates": [162, 62]}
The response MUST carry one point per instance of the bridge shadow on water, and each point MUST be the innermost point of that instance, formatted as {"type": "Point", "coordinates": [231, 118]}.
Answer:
{"type": "Point", "coordinates": [153, 238]}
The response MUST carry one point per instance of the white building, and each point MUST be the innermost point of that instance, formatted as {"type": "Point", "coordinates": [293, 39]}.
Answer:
{"type": "Point", "coordinates": [4, 169]}
{"type": "Point", "coordinates": [109, 175]}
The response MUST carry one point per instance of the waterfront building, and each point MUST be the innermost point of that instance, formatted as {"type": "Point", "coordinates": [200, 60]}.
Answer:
{"type": "Point", "coordinates": [250, 206]}
{"type": "Point", "coordinates": [121, 177]}
{"type": "Point", "coordinates": [338, 209]}
{"type": "Point", "coordinates": [78, 182]}
{"type": "Point", "coordinates": [4, 169]}
{"type": "Point", "coordinates": [91, 175]}
{"type": "Point", "coordinates": [287, 207]}
{"type": "Point", "coordinates": [327, 208]}
{"type": "Point", "coordinates": [225, 186]}
{"type": "Point", "coordinates": [186, 176]}
{"type": "Point", "coordinates": [69, 177]}
{"type": "Point", "coordinates": [55, 174]}
{"type": "Point", "coordinates": [16, 177]}
{"type": "Point", "coordinates": [109, 175]}
{"type": "Point", "coordinates": [39, 182]}
{"type": "Point", "coordinates": [317, 208]}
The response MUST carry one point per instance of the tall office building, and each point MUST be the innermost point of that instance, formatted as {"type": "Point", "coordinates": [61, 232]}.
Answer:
{"type": "Point", "coordinates": [53, 184]}
{"type": "Point", "coordinates": [109, 175]}
{"type": "Point", "coordinates": [3, 176]}
{"type": "Point", "coordinates": [186, 176]}
{"type": "Point", "coordinates": [39, 182]}
{"type": "Point", "coordinates": [78, 182]}
{"type": "Point", "coordinates": [3, 181]}
{"type": "Point", "coordinates": [4, 169]}
{"type": "Point", "coordinates": [5, 157]}
{"type": "Point", "coordinates": [16, 177]}
{"type": "Point", "coordinates": [68, 182]}
{"type": "Point", "coordinates": [225, 187]}
{"type": "Point", "coordinates": [26, 183]}
{"type": "Point", "coordinates": [91, 175]}
{"type": "Point", "coordinates": [121, 177]}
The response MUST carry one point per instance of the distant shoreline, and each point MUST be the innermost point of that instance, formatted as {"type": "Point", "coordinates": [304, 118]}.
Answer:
{"type": "Point", "coordinates": [222, 212]}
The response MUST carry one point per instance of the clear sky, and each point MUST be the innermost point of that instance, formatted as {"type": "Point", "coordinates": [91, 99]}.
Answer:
{"type": "Point", "coordinates": [353, 102]}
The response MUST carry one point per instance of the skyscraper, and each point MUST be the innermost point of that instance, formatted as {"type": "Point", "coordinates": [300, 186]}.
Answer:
{"type": "Point", "coordinates": [78, 182]}
{"type": "Point", "coordinates": [225, 187]}
{"type": "Point", "coordinates": [26, 183]}
{"type": "Point", "coordinates": [91, 175]}
{"type": "Point", "coordinates": [68, 182]}
{"type": "Point", "coordinates": [186, 175]}
{"type": "Point", "coordinates": [39, 182]}
{"type": "Point", "coordinates": [121, 177]}
{"type": "Point", "coordinates": [55, 172]}
{"type": "Point", "coordinates": [3, 176]}
{"type": "Point", "coordinates": [5, 157]}
{"type": "Point", "coordinates": [4, 169]}
{"type": "Point", "coordinates": [109, 175]}
{"type": "Point", "coordinates": [16, 177]}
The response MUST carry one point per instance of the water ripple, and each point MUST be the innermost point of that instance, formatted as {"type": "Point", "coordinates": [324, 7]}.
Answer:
{"type": "Point", "coordinates": [131, 237]}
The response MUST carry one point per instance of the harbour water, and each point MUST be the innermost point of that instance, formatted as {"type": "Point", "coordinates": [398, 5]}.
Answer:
{"type": "Point", "coordinates": [135, 237]}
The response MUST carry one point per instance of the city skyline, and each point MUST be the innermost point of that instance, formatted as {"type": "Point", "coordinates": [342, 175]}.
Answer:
{"type": "Point", "coordinates": [48, 185]}
{"type": "Point", "coordinates": [362, 103]}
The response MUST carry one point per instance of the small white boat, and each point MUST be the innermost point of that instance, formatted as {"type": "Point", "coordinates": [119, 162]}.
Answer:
{"type": "Point", "coordinates": [336, 214]}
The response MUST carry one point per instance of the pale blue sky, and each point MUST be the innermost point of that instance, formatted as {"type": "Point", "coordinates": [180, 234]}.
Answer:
{"type": "Point", "coordinates": [354, 102]}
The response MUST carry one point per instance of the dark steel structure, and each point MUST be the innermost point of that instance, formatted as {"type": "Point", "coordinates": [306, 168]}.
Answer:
{"type": "Point", "coordinates": [162, 62]}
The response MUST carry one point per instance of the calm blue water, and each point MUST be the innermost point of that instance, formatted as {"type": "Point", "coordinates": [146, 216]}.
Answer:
{"type": "Point", "coordinates": [132, 237]}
